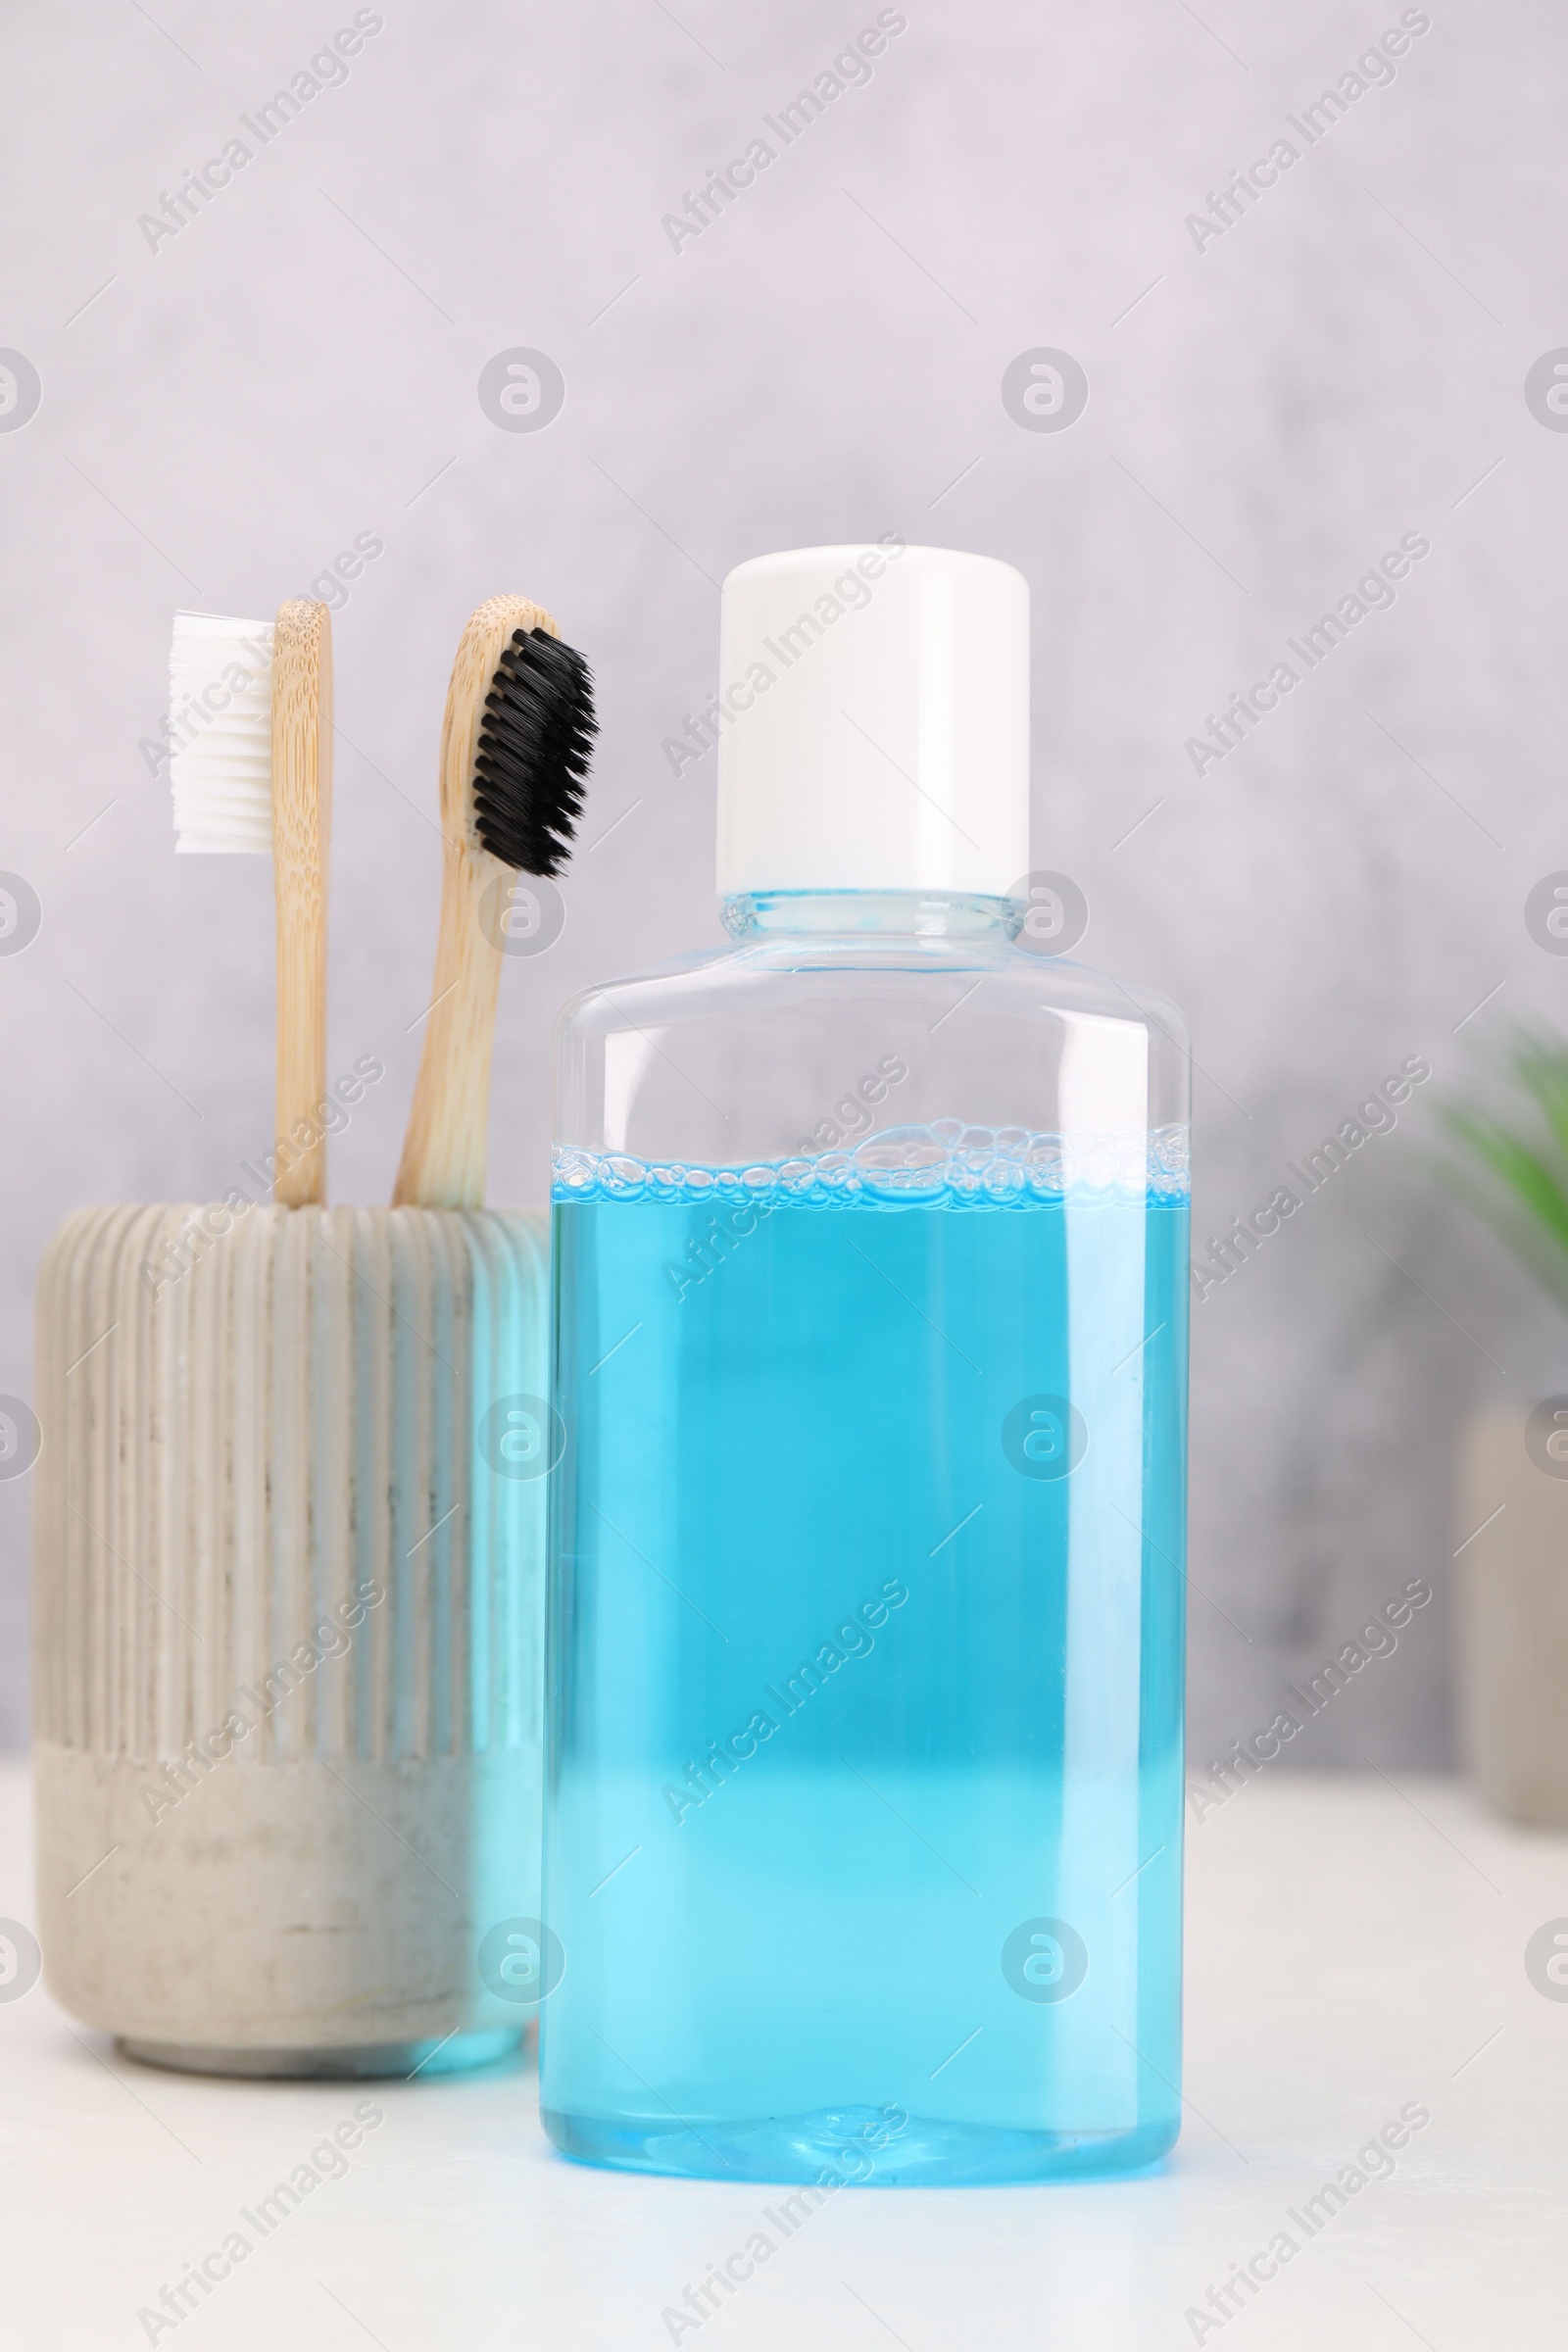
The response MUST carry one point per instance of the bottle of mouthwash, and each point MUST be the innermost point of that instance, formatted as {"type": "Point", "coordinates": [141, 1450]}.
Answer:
{"type": "Point", "coordinates": [864, 1703]}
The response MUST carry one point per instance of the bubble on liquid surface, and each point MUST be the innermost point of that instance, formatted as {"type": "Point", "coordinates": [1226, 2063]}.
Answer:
{"type": "Point", "coordinates": [946, 1163]}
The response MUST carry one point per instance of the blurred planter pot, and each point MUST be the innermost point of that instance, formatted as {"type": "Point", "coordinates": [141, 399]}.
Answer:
{"type": "Point", "coordinates": [288, 1629]}
{"type": "Point", "coordinates": [1513, 1610]}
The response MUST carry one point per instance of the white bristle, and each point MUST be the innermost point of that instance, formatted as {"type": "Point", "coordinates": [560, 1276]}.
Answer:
{"type": "Point", "coordinates": [222, 772]}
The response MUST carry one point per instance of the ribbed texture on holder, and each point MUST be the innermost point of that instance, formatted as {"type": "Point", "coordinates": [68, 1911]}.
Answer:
{"type": "Point", "coordinates": [243, 1430]}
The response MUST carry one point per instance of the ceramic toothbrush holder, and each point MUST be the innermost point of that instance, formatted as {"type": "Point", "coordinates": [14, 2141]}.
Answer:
{"type": "Point", "coordinates": [288, 1630]}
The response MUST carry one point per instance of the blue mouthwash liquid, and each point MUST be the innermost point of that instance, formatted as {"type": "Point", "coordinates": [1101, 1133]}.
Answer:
{"type": "Point", "coordinates": [863, 1835]}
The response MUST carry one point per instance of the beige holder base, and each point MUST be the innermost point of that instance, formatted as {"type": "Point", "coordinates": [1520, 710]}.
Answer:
{"type": "Point", "coordinates": [1513, 1622]}
{"type": "Point", "coordinates": [288, 1629]}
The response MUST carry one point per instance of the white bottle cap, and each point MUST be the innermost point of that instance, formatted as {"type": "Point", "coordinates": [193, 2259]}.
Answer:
{"type": "Point", "coordinates": [876, 727]}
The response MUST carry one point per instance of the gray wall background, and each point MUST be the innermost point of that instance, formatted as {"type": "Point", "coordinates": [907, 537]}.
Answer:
{"type": "Point", "coordinates": [299, 365]}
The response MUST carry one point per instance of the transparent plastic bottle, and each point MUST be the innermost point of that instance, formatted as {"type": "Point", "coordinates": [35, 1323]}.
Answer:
{"type": "Point", "coordinates": [864, 1698]}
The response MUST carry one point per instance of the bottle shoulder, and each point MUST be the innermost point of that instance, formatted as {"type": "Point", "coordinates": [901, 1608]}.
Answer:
{"type": "Point", "coordinates": [803, 1045]}
{"type": "Point", "coordinates": [804, 981]}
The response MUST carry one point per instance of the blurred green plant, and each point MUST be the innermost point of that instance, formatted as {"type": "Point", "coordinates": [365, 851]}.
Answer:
{"type": "Point", "coordinates": [1510, 1163]}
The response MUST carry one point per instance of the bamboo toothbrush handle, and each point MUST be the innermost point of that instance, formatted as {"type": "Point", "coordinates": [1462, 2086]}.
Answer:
{"type": "Point", "coordinates": [443, 1163]}
{"type": "Point", "coordinates": [301, 821]}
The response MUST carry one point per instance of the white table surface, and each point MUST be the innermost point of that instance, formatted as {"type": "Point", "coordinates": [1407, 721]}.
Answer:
{"type": "Point", "coordinates": [1354, 1944]}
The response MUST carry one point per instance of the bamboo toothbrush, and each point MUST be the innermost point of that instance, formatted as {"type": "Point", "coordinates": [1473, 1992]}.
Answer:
{"type": "Point", "coordinates": [515, 742]}
{"type": "Point", "coordinates": [253, 702]}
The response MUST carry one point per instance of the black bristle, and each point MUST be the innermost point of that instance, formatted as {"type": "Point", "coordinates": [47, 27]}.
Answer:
{"type": "Point", "coordinates": [534, 749]}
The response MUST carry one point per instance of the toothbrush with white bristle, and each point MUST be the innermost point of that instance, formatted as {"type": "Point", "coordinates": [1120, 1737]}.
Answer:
{"type": "Point", "coordinates": [251, 702]}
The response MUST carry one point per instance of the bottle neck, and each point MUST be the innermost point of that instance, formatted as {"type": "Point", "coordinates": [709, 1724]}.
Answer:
{"type": "Point", "coordinates": [889, 914]}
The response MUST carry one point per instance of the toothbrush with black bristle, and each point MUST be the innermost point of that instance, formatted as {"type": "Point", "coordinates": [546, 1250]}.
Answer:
{"type": "Point", "coordinates": [515, 743]}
